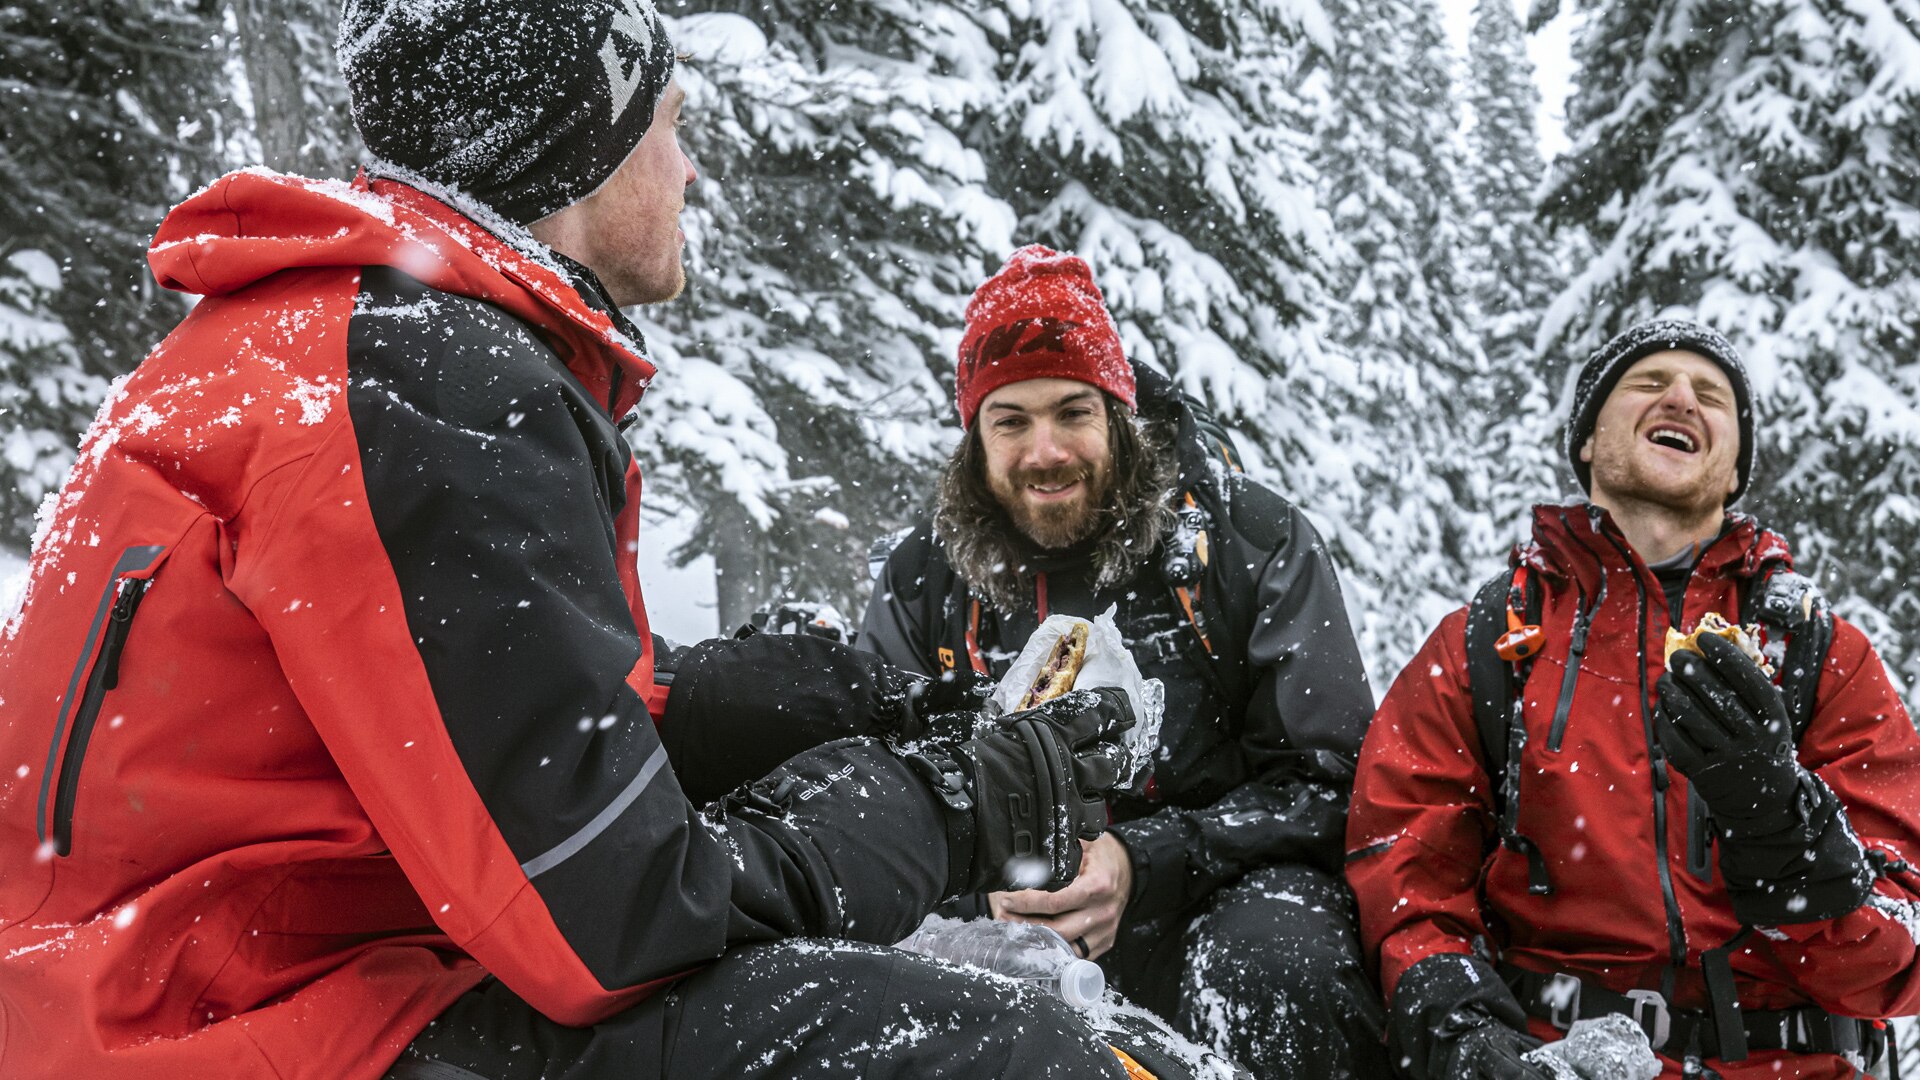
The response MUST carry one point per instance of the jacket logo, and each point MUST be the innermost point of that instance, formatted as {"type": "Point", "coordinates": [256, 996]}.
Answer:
{"type": "Point", "coordinates": [1021, 337]}
{"type": "Point", "coordinates": [830, 779]}
{"type": "Point", "coordinates": [631, 19]}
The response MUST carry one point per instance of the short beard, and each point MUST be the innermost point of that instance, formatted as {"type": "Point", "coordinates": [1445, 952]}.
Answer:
{"type": "Point", "coordinates": [1056, 526]}
{"type": "Point", "coordinates": [1128, 518]}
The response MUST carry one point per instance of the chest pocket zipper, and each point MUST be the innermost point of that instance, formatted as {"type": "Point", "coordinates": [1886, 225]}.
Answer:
{"type": "Point", "coordinates": [96, 672]}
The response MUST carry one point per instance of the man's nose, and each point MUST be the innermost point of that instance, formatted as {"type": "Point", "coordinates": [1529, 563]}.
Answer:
{"type": "Point", "coordinates": [1680, 397]}
{"type": "Point", "coordinates": [1047, 449]}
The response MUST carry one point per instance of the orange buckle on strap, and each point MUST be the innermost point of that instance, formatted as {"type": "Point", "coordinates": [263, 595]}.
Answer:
{"type": "Point", "coordinates": [1522, 639]}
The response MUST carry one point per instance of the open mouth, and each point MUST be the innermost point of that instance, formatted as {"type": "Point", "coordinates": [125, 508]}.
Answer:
{"type": "Point", "coordinates": [1674, 438]}
{"type": "Point", "coordinates": [1052, 491]}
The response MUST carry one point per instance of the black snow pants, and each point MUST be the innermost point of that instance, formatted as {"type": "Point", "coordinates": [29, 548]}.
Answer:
{"type": "Point", "coordinates": [1266, 971]}
{"type": "Point", "coordinates": [799, 1008]}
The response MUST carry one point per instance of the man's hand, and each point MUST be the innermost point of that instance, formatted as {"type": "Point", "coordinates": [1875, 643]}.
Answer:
{"type": "Point", "coordinates": [1724, 727]}
{"type": "Point", "coordinates": [1086, 912]}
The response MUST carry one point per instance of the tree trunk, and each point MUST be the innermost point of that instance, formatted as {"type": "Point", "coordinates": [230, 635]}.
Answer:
{"type": "Point", "coordinates": [740, 564]}
{"type": "Point", "coordinates": [283, 120]}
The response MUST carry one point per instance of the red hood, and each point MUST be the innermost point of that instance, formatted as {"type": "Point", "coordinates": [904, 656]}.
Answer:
{"type": "Point", "coordinates": [1573, 540]}
{"type": "Point", "coordinates": [251, 224]}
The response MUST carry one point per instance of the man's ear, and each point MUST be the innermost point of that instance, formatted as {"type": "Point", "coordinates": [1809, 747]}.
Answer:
{"type": "Point", "coordinates": [1586, 450]}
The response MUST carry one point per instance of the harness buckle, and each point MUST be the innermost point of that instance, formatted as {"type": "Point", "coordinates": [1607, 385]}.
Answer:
{"type": "Point", "coordinates": [1561, 996]}
{"type": "Point", "coordinates": [1643, 1001]}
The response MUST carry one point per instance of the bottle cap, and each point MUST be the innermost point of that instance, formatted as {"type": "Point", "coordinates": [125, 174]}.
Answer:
{"type": "Point", "coordinates": [1082, 983]}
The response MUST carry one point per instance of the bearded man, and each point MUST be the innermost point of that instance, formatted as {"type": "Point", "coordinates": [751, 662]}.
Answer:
{"type": "Point", "coordinates": [1555, 820]}
{"type": "Point", "coordinates": [1084, 482]}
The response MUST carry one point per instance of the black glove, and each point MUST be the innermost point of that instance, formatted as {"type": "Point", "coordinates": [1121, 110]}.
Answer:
{"type": "Point", "coordinates": [1021, 797]}
{"type": "Point", "coordinates": [948, 707]}
{"type": "Point", "coordinates": [1786, 853]}
{"type": "Point", "coordinates": [1453, 1019]}
{"type": "Point", "coordinates": [1724, 727]}
{"type": "Point", "coordinates": [738, 707]}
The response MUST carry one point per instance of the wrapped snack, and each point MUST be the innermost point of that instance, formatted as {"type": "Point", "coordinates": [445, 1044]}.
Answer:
{"type": "Point", "coordinates": [1746, 637]}
{"type": "Point", "coordinates": [1097, 656]}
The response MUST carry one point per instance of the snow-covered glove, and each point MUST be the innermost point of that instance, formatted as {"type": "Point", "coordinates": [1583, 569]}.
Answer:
{"type": "Point", "coordinates": [1454, 1019]}
{"type": "Point", "coordinates": [1021, 798]}
{"type": "Point", "coordinates": [948, 706]}
{"type": "Point", "coordinates": [1785, 849]}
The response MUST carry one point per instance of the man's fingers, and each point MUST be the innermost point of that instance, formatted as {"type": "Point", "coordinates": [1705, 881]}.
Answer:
{"type": "Point", "coordinates": [1716, 716]}
{"type": "Point", "coordinates": [1041, 902]}
{"type": "Point", "coordinates": [1741, 675]}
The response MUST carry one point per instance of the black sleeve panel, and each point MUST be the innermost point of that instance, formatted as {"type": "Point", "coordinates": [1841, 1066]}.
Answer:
{"type": "Point", "coordinates": [1301, 735]}
{"type": "Point", "coordinates": [741, 706]}
{"type": "Point", "coordinates": [493, 481]}
{"type": "Point", "coordinates": [895, 628]}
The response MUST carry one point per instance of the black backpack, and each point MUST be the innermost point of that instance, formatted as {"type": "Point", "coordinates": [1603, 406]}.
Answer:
{"type": "Point", "coordinates": [1787, 605]}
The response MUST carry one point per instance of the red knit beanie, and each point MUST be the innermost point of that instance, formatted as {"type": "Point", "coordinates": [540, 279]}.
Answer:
{"type": "Point", "coordinates": [1040, 317]}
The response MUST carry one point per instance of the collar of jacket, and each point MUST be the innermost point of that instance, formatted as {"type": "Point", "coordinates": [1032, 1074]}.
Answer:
{"type": "Point", "coordinates": [251, 224]}
{"type": "Point", "coordinates": [1580, 542]}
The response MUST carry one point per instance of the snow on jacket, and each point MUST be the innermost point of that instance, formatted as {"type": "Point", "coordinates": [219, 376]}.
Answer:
{"type": "Point", "coordinates": [331, 691]}
{"type": "Point", "coordinates": [1430, 877]}
{"type": "Point", "coordinates": [1258, 745]}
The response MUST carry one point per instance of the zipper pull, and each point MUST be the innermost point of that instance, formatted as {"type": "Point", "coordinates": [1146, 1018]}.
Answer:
{"type": "Point", "coordinates": [120, 622]}
{"type": "Point", "coordinates": [1660, 780]}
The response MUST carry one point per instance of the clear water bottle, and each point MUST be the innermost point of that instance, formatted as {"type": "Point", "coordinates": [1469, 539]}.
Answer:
{"type": "Point", "coordinates": [1024, 951]}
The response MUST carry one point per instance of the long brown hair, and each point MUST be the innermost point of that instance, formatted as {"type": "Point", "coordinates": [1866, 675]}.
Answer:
{"type": "Point", "coordinates": [992, 556]}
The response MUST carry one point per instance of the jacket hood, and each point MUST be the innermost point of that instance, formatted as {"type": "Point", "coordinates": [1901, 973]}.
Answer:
{"type": "Point", "coordinates": [1579, 540]}
{"type": "Point", "coordinates": [252, 224]}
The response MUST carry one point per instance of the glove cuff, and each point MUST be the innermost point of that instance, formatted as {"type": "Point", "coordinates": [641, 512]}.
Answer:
{"type": "Point", "coordinates": [950, 775]}
{"type": "Point", "coordinates": [1430, 1003]}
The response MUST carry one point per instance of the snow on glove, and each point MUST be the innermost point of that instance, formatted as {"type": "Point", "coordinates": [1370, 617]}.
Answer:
{"type": "Point", "coordinates": [949, 706]}
{"type": "Point", "coordinates": [1786, 852]}
{"type": "Point", "coordinates": [1021, 797]}
{"type": "Point", "coordinates": [1454, 1019]}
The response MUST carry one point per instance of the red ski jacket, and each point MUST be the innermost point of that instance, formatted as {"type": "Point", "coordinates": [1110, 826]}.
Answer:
{"type": "Point", "coordinates": [331, 690]}
{"type": "Point", "coordinates": [1431, 878]}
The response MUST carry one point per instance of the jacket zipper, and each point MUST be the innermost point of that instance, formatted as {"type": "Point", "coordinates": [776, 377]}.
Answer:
{"type": "Point", "coordinates": [105, 676]}
{"type": "Point", "coordinates": [1582, 621]}
{"type": "Point", "coordinates": [1676, 931]}
{"type": "Point", "coordinates": [96, 672]}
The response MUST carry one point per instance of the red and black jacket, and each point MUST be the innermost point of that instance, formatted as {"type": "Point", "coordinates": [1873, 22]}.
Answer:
{"type": "Point", "coordinates": [1627, 908]}
{"type": "Point", "coordinates": [332, 691]}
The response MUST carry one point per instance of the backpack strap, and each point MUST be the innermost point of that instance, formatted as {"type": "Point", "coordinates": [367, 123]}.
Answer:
{"type": "Point", "coordinates": [1494, 683]}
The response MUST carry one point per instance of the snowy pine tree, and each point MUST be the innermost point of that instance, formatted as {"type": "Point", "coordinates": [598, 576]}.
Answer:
{"type": "Point", "coordinates": [1515, 271]}
{"type": "Point", "coordinates": [112, 112]}
{"type": "Point", "coordinates": [46, 397]}
{"type": "Point", "coordinates": [1391, 177]}
{"type": "Point", "coordinates": [1755, 165]}
{"type": "Point", "coordinates": [834, 239]}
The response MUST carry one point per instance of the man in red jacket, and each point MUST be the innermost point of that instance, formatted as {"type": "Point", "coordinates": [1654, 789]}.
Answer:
{"type": "Point", "coordinates": [1717, 854]}
{"type": "Point", "coordinates": [329, 719]}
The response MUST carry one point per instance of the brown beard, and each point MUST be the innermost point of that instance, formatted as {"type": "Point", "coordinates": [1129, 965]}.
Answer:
{"type": "Point", "coordinates": [1058, 525]}
{"type": "Point", "coordinates": [1128, 511]}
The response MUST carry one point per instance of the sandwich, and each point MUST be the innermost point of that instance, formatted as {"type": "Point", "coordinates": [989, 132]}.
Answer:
{"type": "Point", "coordinates": [1062, 667]}
{"type": "Point", "coordinates": [1746, 637]}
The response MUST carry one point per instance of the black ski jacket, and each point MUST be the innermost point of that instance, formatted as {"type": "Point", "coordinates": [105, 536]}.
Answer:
{"type": "Point", "coordinates": [1264, 721]}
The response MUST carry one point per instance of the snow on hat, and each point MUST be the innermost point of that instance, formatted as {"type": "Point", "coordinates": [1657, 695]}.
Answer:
{"type": "Point", "coordinates": [1610, 361]}
{"type": "Point", "coordinates": [527, 106]}
{"type": "Point", "coordinates": [1040, 317]}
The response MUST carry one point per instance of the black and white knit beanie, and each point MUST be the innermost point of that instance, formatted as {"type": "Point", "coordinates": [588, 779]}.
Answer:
{"type": "Point", "coordinates": [526, 106]}
{"type": "Point", "coordinates": [1610, 361]}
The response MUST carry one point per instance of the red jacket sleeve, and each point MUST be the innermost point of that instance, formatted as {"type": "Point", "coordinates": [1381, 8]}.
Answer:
{"type": "Point", "coordinates": [1421, 822]}
{"type": "Point", "coordinates": [1863, 746]}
